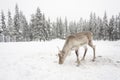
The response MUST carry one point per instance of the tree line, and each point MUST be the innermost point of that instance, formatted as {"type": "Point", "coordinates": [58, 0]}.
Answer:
{"type": "Point", "coordinates": [17, 28]}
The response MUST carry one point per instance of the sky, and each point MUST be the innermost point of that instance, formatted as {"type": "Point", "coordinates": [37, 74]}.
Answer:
{"type": "Point", "coordinates": [72, 9]}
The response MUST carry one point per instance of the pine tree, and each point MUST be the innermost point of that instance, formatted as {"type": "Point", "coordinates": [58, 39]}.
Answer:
{"type": "Point", "coordinates": [119, 26]}
{"type": "Point", "coordinates": [80, 25]}
{"type": "Point", "coordinates": [54, 33]}
{"type": "Point", "coordinates": [32, 28]}
{"type": "Point", "coordinates": [99, 31]}
{"type": "Point", "coordinates": [57, 28]}
{"type": "Point", "coordinates": [111, 28]}
{"type": "Point", "coordinates": [60, 28]}
{"type": "Point", "coordinates": [1, 37]}
{"type": "Point", "coordinates": [73, 27]}
{"type": "Point", "coordinates": [17, 24]}
{"type": "Point", "coordinates": [105, 26]}
{"type": "Point", "coordinates": [24, 28]}
{"type": "Point", "coordinates": [85, 25]}
{"type": "Point", "coordinates": [48, 29]}
{"type": "Point", "coordinates": [10, 26]}
{"type": "Point", "coordinates": [4, 27]}
{"type": "Point", "coordinates": [66, 27]}
{"type": "Point", "coordinates": [116, 31]}
{"type": "Point", "coordinates": [93, 24]}
{"type": "Point", "coordinates": [39, 25]}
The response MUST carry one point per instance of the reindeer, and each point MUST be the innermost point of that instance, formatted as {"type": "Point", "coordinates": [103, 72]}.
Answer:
{"type": "Point", "coordinates": [76, 41]}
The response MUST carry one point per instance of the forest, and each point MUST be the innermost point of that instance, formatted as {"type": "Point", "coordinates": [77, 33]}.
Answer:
{"type": "Point", "coordinates": [39, 28]}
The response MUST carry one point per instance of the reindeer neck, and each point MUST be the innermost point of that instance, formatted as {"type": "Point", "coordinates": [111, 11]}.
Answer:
{"type": "Point", "coordinates": [65, 50]}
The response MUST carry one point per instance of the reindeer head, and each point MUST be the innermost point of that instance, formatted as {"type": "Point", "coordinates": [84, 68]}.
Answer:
{"type": "Point", "coordinates": [61, 57]}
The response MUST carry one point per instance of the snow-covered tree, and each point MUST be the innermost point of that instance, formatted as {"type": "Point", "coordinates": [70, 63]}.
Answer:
{"type": "Point", "coordinates": [118, 26]}
{"type": "Point", "coordinates": [93, 24]}
{"type": "Point", "coordinates": [38, 26]}
{"type": "Point", "coordinates": [80, 25]}
{"type": "Point", "coordinates": [24, 28]}
{"type": "Point", "coordinates": [17, 28]}
{"type": "Point", "coordinates": [4, 27]}
{"type": "Point", "coordinates": [1, 37]}
{"type": "Point", "coordinates": [10, 27]}
{"type": "Point", "coordinates": [17, 34]}
{"type": "Point", "coordinates": [48, 29]}
{"type": "Point", "coordinates": [105, 26]}
{"type": "Point", "coordinates": [32, 27]}
{"type": "Point", "coordinates": [60, 28]}
{"type": "Point", "coordinates": [99, 31]}
{"type": "Point", "coordinates": [66, 27]}
{"type": "Point", "coordinates": [54, 30]}
{"type": "Point", "coordinates": [73, 27]}
{"type": "Point", "coordinates": [111, 28]}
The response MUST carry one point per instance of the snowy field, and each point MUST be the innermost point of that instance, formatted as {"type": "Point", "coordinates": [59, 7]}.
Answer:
{"type": "Point", "coordinates": [39, 61]}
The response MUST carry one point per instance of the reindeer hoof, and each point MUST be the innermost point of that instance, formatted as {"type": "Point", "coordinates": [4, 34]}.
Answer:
{"type": "Point", "coordinates": [82, 59]}
{"type": "Point", "coordinates": [78, 65]}
{"type": "Point", "coordinates": [93, 60]}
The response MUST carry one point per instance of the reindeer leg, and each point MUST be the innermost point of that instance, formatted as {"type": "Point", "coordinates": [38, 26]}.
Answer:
{"type": "Point", "coordinates": [78, 61]}
{"type": "Point", "coordinates": [84, 53]}
{"type": "Point", "coordinates": [93, 46]}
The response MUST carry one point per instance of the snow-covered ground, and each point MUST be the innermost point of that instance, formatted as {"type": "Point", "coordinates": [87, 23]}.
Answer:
{"type": "Point", "coordinates": [39, 61]}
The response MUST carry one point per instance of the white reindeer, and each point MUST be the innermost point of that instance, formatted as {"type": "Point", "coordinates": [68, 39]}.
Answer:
{"type": "Point", "coordinates": [75, 42]}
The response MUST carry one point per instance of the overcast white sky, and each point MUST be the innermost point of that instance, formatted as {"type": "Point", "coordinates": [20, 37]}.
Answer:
{"type": "Point", "coordinates": [72, 9]}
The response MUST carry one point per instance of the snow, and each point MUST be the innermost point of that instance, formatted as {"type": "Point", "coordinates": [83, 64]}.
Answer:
{"type": "Point", "coordinates": [39, 61]}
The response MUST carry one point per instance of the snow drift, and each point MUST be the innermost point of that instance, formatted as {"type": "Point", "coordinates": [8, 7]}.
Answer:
{"type": "Point", "coordinates": [39, 61]}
